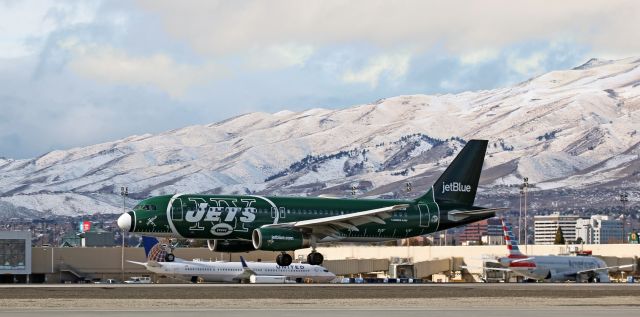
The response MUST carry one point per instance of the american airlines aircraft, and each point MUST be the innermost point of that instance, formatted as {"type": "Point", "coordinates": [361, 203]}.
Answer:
{"type": "Point", "coordinates": [238, 272]}
{"type": "Point", "coordinates": [553, 268]}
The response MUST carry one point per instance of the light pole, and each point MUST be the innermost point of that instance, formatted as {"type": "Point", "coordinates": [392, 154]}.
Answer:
{"type": "Point", "coordinates": [520, 217]}
{"type": "Point", "coordinates": [526, 233]}
{"type": "Point", "coordinates": [624, 198]}
{"type": "Point", "coordinates": [124, 192]}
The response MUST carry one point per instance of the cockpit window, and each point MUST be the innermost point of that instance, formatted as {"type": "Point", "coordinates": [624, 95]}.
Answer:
{"type": "Point", "coordinates": [145, 207]}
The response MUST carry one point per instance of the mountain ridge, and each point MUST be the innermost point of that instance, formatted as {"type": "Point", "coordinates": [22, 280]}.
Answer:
{"type": "Point", "coordinates": [574, 129]}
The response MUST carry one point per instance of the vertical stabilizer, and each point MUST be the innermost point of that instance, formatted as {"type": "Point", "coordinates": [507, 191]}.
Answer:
{"type": "Point", "coordinates": [509, 239]}
{"type": "Point", "coordinates": [153, 249]}
{"type": "Point", "coordinates": [459, 182]}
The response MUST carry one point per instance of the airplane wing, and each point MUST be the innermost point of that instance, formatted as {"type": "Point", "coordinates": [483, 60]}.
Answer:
{"type": "Point", "coordinates": [330, 225]}
{"type": "Point", "coordinates": [486, 268]}
{"type": "Point", "coordinates": [617, 267]}
{"type": "Point", "coordinates": [457, 215]}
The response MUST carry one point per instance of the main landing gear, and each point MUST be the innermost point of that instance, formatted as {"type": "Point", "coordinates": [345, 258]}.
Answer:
{"type": "Point", "coordinates": [315, 258]}
{"type": "Point", "coordinates": [284, 259]}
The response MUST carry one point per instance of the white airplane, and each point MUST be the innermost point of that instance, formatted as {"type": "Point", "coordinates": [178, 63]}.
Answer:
{"type": "Point", "coordinates": [219, 271]}
{"type": "Point", "coordinates": [553, 268]}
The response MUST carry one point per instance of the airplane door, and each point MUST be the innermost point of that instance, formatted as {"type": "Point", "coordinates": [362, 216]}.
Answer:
{"type": "Point", "coordinates": [425, 216]}
{"type": "Point", "coordinates": [177, 210]}
{"type": "Point", "coordinates": [275, 214]}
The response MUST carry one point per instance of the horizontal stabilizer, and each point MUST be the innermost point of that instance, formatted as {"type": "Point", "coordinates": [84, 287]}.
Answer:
{"type": "Point", "coordinates": [458, 215]}
{"type": "Point", "coordinates": [138, 263]}
{"type": "Point", "coordinates": [522, 260]}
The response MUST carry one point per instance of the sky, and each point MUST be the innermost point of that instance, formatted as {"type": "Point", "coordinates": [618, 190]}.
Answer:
{"type": "Point", "coordinates": [77, 73]}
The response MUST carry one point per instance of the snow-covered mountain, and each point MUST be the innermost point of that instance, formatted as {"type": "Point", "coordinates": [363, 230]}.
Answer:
{"type": "Point", "coordinates": [571, 131]}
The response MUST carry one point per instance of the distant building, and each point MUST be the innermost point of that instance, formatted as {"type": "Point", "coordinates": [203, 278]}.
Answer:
{"type": "Point", "coordinates": [15, 256]}
{"type": "Point", "coordinates": [545, 228]}
{"type": "Point", "coordinates": [600, 230]}
{"type": "Point", "coordinates": [489, 231]}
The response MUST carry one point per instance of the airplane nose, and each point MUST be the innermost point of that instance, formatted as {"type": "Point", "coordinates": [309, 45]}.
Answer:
{"type": "Point", "coordinates": [124, 222]}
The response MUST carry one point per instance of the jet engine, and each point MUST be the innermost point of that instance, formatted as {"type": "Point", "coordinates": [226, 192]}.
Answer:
{"type": "Point", "coordinates": [279, 239]}
{"type": "Point", "coordinates": [220, 245]}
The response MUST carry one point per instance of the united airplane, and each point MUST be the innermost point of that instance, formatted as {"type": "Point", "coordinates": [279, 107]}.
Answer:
{"type": "Point", "coordinates": [219, 271]}
{"type": "Point", "coordinates": [244, 223]}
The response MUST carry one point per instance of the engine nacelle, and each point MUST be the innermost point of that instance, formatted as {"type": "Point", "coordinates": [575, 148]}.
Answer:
{"type": "Point", "coordinates": [279, 239]}
{"type": "Point", "coordinates": [220, 245]}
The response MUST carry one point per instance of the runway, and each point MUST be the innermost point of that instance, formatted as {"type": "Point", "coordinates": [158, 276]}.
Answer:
{"type": "Point", "coordinates": [320, 300]}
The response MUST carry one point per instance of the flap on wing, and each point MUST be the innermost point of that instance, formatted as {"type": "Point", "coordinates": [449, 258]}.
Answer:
{"type": "Point", "coordinates": [348, 221]}
{"type": "Point", "coordinates": [457, 215]}
{"type": "Point", "coordinates": [345, 219]}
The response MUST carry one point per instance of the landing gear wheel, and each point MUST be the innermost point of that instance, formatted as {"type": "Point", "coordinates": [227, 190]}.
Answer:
{"type": "Point", "coordinates": [284, 259]}
{"type": "Point", "coordinates": [169, 257]}
{"type": "Point", "coordinates": [315, 258]}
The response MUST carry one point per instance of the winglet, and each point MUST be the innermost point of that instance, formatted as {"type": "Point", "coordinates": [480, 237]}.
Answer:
{"type": "Point", "coordinates": [244, 264]}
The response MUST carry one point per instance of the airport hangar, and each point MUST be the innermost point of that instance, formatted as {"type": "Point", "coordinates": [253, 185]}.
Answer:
{"type": "Point", "coordinates": [21, 263]}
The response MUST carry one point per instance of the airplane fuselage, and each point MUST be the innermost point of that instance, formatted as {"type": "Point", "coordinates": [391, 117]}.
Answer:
{"type": "Point", "coordinates": [558, 268]}
{"type": "Point", "coordinates": [235, 217]}
{"type": "Point", "coordinates": [230, 271]}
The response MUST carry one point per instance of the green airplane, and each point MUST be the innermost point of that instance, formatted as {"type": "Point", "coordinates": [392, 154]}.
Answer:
{"type": "Point", "coordinates": [244, 223]}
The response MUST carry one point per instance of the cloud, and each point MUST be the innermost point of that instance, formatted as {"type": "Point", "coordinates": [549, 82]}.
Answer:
{"type": "Point", "coordinates": [158, 70]}
{"type": "Point", "coordinates": [533, 64]}
{"type": "Point", "coordinates": [479, 56]}
{"type": "Point", "coordinates": [280, 56]}
{"type": "Point", "coordinates": [393, 66]}
{"type": "Point", "coordinates": [225, 27]}
{"type": "Point", "coordinates": [24, 25]}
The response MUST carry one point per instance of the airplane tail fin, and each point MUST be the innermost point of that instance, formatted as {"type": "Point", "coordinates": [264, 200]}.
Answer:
{"type": "Point", "coordinates": [512, 243]}
{"type": "Point", "coordinates": [148, 243]}
{"type": "Point", "coordinates": [246, 270]}
{"type": "Point", "coordinates": [459, 182]}
{"type": "Point", "coordinates": [153, 249]}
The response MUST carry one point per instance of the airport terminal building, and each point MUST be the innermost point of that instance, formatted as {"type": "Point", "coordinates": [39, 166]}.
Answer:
{"type": "Point", "coordinates": [15, 256]}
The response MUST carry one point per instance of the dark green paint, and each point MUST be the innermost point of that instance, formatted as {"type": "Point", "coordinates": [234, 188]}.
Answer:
{"type": "Point", "coordinates": [236, 217]}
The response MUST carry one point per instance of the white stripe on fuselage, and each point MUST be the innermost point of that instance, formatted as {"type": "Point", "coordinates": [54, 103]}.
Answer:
{"type": "Point", "coordinates": [273, 205]}
{"type": "Point", "coordinates": [169, 219]}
